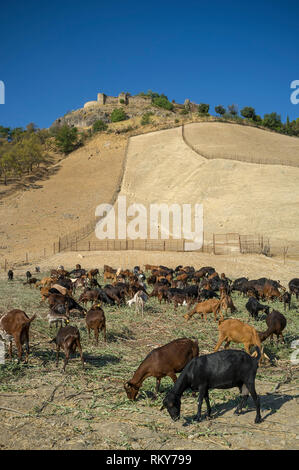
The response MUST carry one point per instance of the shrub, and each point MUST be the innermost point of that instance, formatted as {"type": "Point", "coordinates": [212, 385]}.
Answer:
{"type": "Point", "coordinates": [184, 111]}
{"type": "Point", "coordinates": [273, 121]}
{"type": "Point", "coordinates": [220, 110]}
{"type": "Point", "coordinates": [248, 112]}
{"type": "Point", "coordinates": [203, 108]}
{"type": "Point", "coordinates": [118, 114]}
{"type": "Point", "coordinates": [146, 119]}
{"type": "Point", "coordinates": [162, 102]}
{"type": "Point", "coordinates": [122, 101]}
{"type": "Point", "coordinates": [99, 126]}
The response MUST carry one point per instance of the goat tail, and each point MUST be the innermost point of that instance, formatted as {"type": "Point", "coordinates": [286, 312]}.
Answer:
{"type": "Point", "coordinates": [32, 318]}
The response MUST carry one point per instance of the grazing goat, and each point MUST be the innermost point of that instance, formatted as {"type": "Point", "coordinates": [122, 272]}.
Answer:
{"type": "Point", "coordinates": [276, 323]}
{"type": "Point", "coordinates": [232, 329]}
{"type": "Point", "coordinates": [286, 298]}
{"type": "Point", "coordinates": [161, 362]}
{"type": "Point", "coordinates": [56, 318]}
{"type": "Point", "coordinates": [15, 325]}
{"type": "Point", "coordinates": [10, 275]}
{"type": "Point", "coordinates": [95, 320]}
{"type": "Point", "coordinates": [68, 338]}
{"type": "Point", "coordinates": [222, 370]}
{"type": "Point", "coordinates": [139, 299]}
{"type": "Point", "coordinates": [294, 287]}
{"type": "Point", "coordinates": [202, 308]}
{"type": "Point", "coordinates": [254, 307]}
{"type": "Point", "coordinates": [226, 302]}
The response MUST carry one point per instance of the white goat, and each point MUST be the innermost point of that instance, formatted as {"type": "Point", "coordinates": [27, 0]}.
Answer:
{"type": "Point", "coordinates": [139, 299]}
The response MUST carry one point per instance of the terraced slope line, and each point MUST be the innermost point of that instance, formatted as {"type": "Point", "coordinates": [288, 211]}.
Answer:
{"type": "Point", "coordinates": [243, 143]}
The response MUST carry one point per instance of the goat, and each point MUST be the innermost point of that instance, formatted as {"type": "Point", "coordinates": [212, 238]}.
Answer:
{"type": "Point", "coordinates": [15, 325]}
{"type": "Point", "coordinates": [222, 370]}
{"type": "Point", "coordinates": [276, 323]}
{"type": "Point", "coordinates": [95, 320]}
{"type": "Point", "coordinates": [56, 318]}
{"type": "Point", "coordinates": [286, 298]}
{"type": "Point", "coordinates": [253, 307]}
{"type": "Point", "coordinates": [208, 306]}
{"type": "Point", "coordinates": [67, 338]}
{"type": "Point", "coordinates": [10, 275]}
{"type": "Point", "coordinates": [232, 329]}
{"type": "Point", "coordinates": [161, 362]}
{"type": "Point", "coordinates": [139, 299]}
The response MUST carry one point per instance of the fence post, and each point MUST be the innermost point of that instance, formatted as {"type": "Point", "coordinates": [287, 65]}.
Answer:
{"type": "Point", "coordinates": [5, 265]}
{"type": "Point", "coordinates": [214, 243]}
{"type": "Point", "coordinates": [88, 246]}
{"type": "Point", "coordinates": [26, 257]}
{"type": "Point", "coordinates": [59, 245]}
{"type": "Point", "coordinates": [240, 244]}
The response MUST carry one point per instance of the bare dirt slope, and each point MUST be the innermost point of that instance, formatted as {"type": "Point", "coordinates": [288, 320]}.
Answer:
{"type": "Point", "coordinates": [31, 220]}
{"type": "Point", "coordinates": [236, 196]}
{"type": "Point", "coordinates": [233, 141]}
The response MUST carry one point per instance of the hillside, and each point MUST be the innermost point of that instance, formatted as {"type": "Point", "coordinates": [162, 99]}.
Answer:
{"type": "Point", "coordinates": [162, 167]}
{"type": "Point", "coordinates": [237, 196]}
{"type": "Point", "coordinates": [33, 219]}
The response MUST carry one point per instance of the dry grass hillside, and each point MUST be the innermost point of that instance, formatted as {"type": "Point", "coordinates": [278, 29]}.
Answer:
{"type": "Point", "coordinates": [237, 142]}
{"type": "Point", "coordinates": [32, 219]}
{"type": "Point", "coordinates": [236, 196]}
{"type": "Point", "coordinates": [161, 167]}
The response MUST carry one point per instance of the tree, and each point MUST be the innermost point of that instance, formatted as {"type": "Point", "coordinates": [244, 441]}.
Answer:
{"type": "Point", "coordinates": [118, 114]}
{"type": "Point", "coordinates": [220, 110]}
{"type": "Point", "coordinates": [273, 121]}
{"type": "Point", "coordinates": [6, 161]}
{"type": "Point", "coordinates": [66, 138]}
{"type": "Point", "coordinates": [248, 112]}
{"type": "Point", "coordinates": [5, 132]}
{"type": "Point", "coordinates": [232, 109]}
{"type": "Point", "coordinates": [203, 108]}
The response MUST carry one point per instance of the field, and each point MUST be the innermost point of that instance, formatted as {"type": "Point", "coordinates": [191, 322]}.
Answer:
{"type": "Point", "coordinates": [42, 408]}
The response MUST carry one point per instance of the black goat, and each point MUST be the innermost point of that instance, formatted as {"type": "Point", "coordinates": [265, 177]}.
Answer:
{"type": "Point", "coordinates": [223, 369]}
{"type": "Point", "coordinates": [10, 275]}
{"type": "Point", "coordinates": [254, 307]}
{"type": "Point", "coordinates": [286, 298]}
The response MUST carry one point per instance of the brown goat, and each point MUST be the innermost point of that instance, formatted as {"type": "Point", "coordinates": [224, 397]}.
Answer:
{"type": "Point", "coordinates": [15, 325]}
{"type": "Point", "coordinates": [208, 306]}
{"type": "Point", "coordinates": [95, 320]}
{"type": "Point", "coordinates": [68, 338]}
{"type": "Point", "coordinates": [232, 329]}
{"type": "Point", "coordinates": [276, 323]}
{"type": "Point", "coordinates": [161, 362]}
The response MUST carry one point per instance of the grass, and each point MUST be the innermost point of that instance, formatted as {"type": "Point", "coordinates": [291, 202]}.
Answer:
{"type": "Point", "coordinates": [97, 393]}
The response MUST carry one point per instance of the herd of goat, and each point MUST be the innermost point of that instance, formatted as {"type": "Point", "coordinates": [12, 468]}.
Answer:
{"type": "Point", "coordinates": [203, 291]}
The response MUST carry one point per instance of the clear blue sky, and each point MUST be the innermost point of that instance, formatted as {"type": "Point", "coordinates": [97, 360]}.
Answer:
{"type": "Point", "coordinates": [54, 55]}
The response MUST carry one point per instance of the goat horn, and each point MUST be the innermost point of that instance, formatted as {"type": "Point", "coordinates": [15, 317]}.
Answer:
{"type": "Point", "coordinates": [162, 407]}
